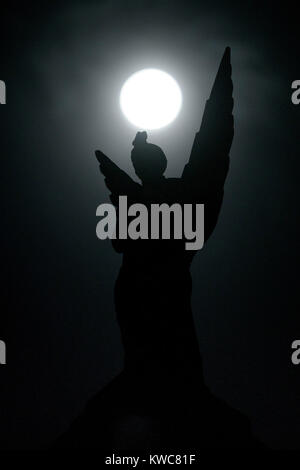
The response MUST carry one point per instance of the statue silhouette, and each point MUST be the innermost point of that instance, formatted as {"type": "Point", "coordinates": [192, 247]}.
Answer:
{"type": "Point", "coordinates": [153, 290]}
{"type": "Point", "coordinates": [160, 399]}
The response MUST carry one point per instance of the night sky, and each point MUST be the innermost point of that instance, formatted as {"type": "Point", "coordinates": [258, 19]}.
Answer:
{"type": "Point", "coordinates": [64, 64]}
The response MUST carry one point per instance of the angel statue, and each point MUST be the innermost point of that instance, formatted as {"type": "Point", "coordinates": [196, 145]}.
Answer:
{"type": "Point", "coordinates": [162, 376]}
{"type": "Point", "coordinates": [162, 365]}
{"type": "Point", "coordinates": [159, 401]}
{"type": "Point", "coordinates": [153, 289]}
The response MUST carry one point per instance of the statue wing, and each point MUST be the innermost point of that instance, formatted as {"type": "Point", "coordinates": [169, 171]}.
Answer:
{"type": "Point", "coordinates": [209, 160]}
{"type": "Point", "coordinates": [117, 181]}
{"type": "Point", "coordinates": [205, 173]}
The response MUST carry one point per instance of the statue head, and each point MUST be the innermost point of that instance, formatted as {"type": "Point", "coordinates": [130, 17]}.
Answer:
{"type": "Point", "coordinates": [149, 160]}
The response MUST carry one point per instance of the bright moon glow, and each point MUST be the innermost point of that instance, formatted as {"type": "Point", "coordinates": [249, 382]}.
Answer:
{"type": "Point", "coordinates": [150, 99]}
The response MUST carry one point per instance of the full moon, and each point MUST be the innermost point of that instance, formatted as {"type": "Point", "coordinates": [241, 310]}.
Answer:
{"type": "Point", "coordinates": [150, 99]}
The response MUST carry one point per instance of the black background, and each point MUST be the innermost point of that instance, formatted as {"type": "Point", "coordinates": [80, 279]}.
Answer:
{"type": "Point", "coordinates": [64, 64]}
